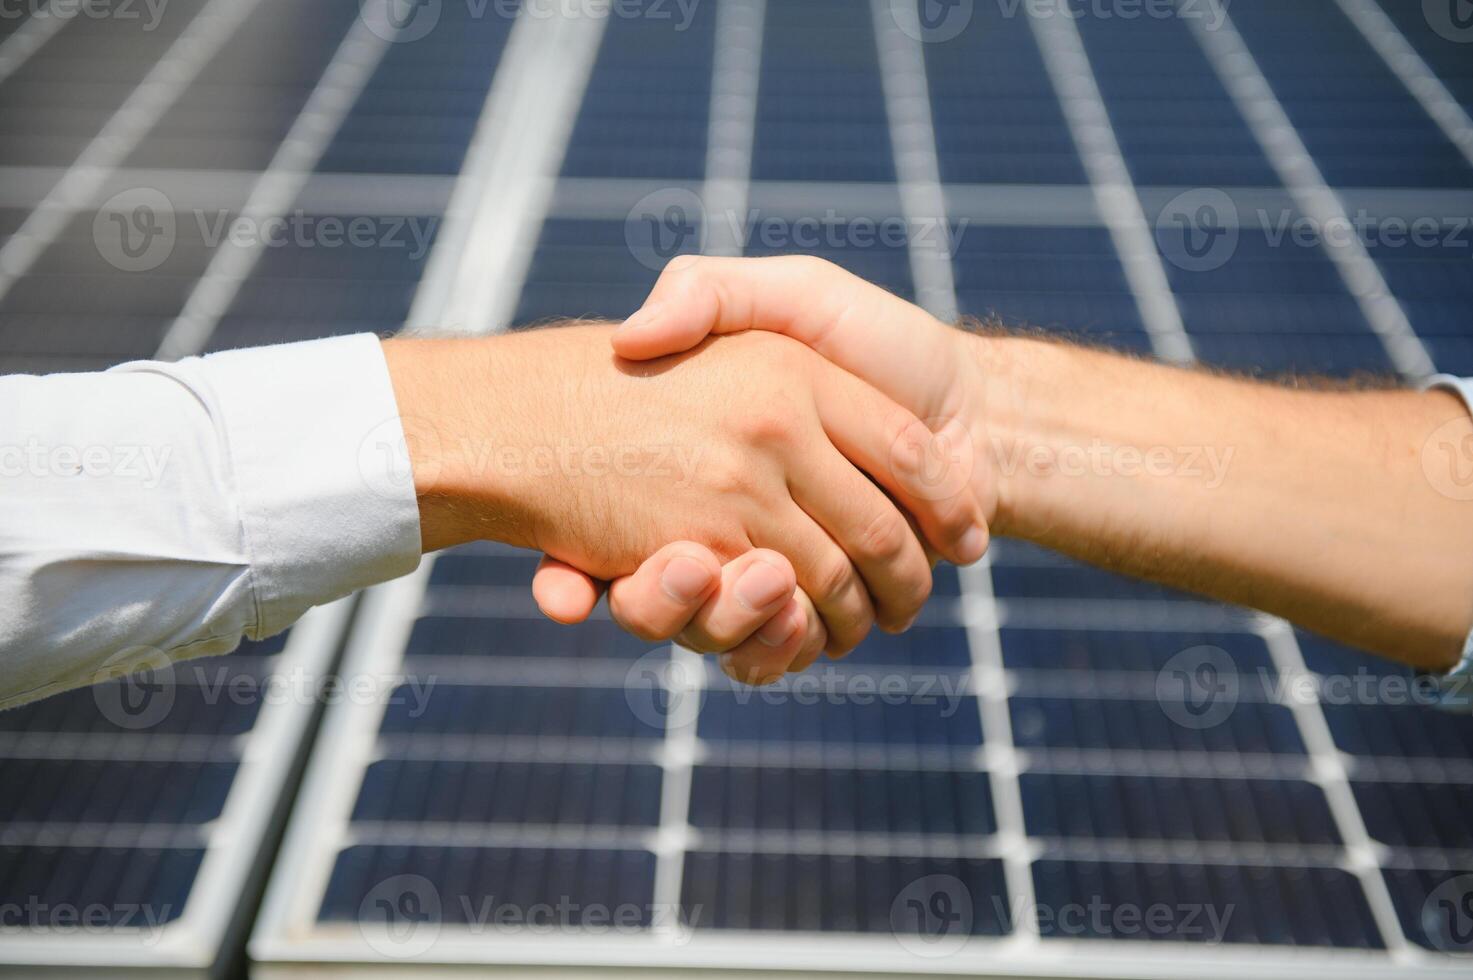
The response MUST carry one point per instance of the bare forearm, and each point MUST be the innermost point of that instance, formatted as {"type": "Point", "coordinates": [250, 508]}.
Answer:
{"type": "Point", "coordinates": [1312, 505]}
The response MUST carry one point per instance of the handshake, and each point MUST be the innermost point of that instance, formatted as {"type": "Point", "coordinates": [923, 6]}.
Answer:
{"type": "Point", "coordinates": [769, 457]}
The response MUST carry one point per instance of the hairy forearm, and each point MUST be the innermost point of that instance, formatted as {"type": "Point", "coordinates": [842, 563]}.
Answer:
{"type": "Point", "coordinates": [1313, 505]}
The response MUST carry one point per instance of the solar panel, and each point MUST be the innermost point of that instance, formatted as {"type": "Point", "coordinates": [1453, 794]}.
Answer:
{"type": "Point", "coordinates": [1058, 772]}
{"type": "Point", "coordinates": [1066, 758]}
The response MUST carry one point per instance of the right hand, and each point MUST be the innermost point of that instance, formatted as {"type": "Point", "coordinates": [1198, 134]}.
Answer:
{"type": "Point", "coordinates": [923, 364]}
{"type": "Point", "coordinates": [546, 440]}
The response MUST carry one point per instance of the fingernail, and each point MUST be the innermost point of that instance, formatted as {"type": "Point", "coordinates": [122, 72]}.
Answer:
{"type": "Point", "coordinates": [684, 579]}
{"type": "Point", "coordinates": [641, 317]}
{"type": "Point", "coordinates": [972, 546]}
{"type": "Point", "coordinates": [778, 630]}
{"type": "Point", "coordinates": [761, 585]}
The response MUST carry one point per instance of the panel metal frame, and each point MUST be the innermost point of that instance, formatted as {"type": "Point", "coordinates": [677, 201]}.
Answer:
{"type": "Point", "coordinates": [190, 944]}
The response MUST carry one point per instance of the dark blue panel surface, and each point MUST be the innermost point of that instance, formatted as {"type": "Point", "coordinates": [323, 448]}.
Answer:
{"type": "Point", "coordinates": [462, 636]}
{"type": "Point", "coordinates": [420, 109]}
{"type": "Point", "coordinates": [820, 106]}
{"type": "Point", "coordinates": [645, 111]}
{"type": "Point", "coordinates": [1133, 650]}
{"type": "Point", "coordinates": [56, 792]}
{"type": "Point", "coordinates": [833, 799]}
{"type": "Point", "coordinates": [1138, 725]}
{"type": "Point", "coordinates": [1361, 125]}
{"type": "Point", "coordinates": [931, 719]}
{"type": "Point", "coordinates": [1203, 903]}
{"type": "Point", "coordinates": [131, 888]}
{"type": "Point", "coordinates": [1436, 815]}
{"type": "Point", "coordinates": [534, 793]}
{"type": "Point", "coordinates": [1434, 906]}
{"type": "Point", "coordinates": [441, 708]}
{"type": "Point", "coordinates": [1058, 279]}
{"type": "Point", "coordinates": [831, 893]}
{"type": "Point", "coordinates": [1175, 123]}
{"type": "Point", "coordinates": [996, 116]}
{"type": "Point", "coordinates": [1249, 811]}
{"type": "Point", "coordinates": [491, 888]}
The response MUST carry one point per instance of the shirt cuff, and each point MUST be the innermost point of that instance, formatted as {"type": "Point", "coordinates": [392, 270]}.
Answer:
{"type": "Point", "coordinates": [321, 471]}
{"type": "Point", "coordinates": [1456, 686]}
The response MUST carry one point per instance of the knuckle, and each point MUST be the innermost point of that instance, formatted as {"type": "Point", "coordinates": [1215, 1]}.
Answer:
{"type": "Point", "coordinates": [775, 425]}
{"type": "Point", "coordinates": [833, 579]}
{"type": "Point", "coordinates": [884, 538]}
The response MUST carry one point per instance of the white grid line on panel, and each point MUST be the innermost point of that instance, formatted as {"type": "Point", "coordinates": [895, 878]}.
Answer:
{"type": "Point", "coordinates": [1327, 770]}
{"type": "Point", "coordinates": [735, 76]}
{"type": "Point", "coordinates": [1078, 91]}
{"type": "Point", "coordinates": [1381, 32]}
{"type": "Point", "coordinates": [1004, 762]}
{"type": "Point", "coordinates": [913, 141]}
{"type": "Point", "coordinates": [30, 37]}
{"type": "Point", "coordinates": [730, 133]}
{"type": "Point", "coordinates": [917, 170]}
{"type": "Point", "coordinates": [342, 81]}
{"type": "Point", "coordinates": [180, 66]}
{"type": "Point", "coordinates": [1249, 89]}
{"type": "Point", "coordinates": [684, 682]}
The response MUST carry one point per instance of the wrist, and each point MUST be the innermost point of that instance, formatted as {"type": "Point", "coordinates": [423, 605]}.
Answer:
{"type": "Point", "coordinates": [453, 401]}
{"type": "Point", "coordinates": [1012, 375]}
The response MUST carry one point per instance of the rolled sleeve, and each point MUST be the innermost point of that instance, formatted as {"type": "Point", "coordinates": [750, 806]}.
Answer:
{"type": "Point", "coordinates": [1457, 684]}
{"type": "Point", "coordinates": [323, 481]}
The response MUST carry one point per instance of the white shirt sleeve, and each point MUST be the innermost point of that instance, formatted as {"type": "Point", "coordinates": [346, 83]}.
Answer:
{"type": "Point", "coordinates": [1458, 689]}
{"type": "Point", "coordinates": [164, 511]}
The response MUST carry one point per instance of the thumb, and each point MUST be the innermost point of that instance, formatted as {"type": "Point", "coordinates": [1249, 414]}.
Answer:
{"type": "Point", "coordinates": [563, 593]}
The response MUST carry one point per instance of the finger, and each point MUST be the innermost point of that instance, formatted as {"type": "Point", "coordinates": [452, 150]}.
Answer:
{"type": "Point", "coordinates": [665, 592]}
{"type": "Point", "coordinates": [754, 588]}
{"type": "Point", "coordinates": [563, 593]}
{"type": "Point", "coordinates": [894, 345]}
{"type": "Point", "coordinates": [871, 530]}
{"type": "Point", "coordinates": [928, 474]}
{"type": "Point", "coordinates": [826, 574]}
{"type": "Point", "coordinates": [814, 637]}
{"type": "Point", "coordinates": [754, 661]}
